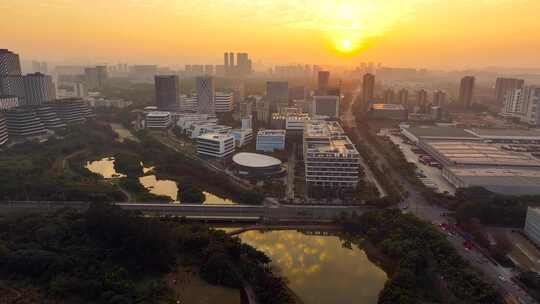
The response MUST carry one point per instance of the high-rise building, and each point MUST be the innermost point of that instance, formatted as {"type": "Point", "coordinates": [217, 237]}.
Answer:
{"type": "Point", "coordinates": [277, 94]}
{"type": "Point", "coordinates": [226, 59]}
{"type": "Point", "coordinates": [323, 80]}
{"type": "Point", "coordinates": [422, 99]}
{"type": "Point", "coordinates": [403, 97]}
{"type": "Point", "coordinates": [243, 64]}
{"type": "Point", "coordinates": [524, 104]}
{"type": "Point", "coordinates": [11, 81]}
{"type": "Point", "coordinates": [4, 136]}
{"type": "Point", "coordinates": [368, 89]}
{"type": "Point", "coordinates": [439, 98]}
{"type": "Point", "coordinates": [231, 59]}
{"type": "Point", "coordinates": [39, 88]}
{"type": "Point", "coordinates": [205, 95]}
{"type": "Point", "coordinates": [95, 77]}
{"type": "Point", "coordinates": [167, 92]}
{"type": "Point", "coordinates": [389, 96]}
{"type": "Point", "coordinates": [326, 106]}
{"type": "Point", "coordinates": [466, 91]}
{"type": "Point", "coordinates": [504, 85]}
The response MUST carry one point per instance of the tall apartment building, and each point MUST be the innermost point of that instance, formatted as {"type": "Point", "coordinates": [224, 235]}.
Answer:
{"type": "Point", "coordinates": [277, 94]}
{"type": "Point", "coordinates": [466, 91]}
{"type": "Point", "coordinates": [422, 98]}
{"type": "Point", "coordinates": [388, 96]}
{"type": "Point", "coordinates": [331, 159]}
{"type": "Point", "coordinates": [506, 85]}
{"type": "Point", "coordinates": [39, 89]}
{"type": "Point", "coordinates": [11, 81]}
{"type": "Point", "coordinates": [524, 104]}
{"type": "Point", "coordinates": [403, 97]}
{"type": "Point", "coordinates": [4, 137]}
{"type": "Point", "coordinates": [95, 77]}
{"type": "Point", "coordinates": [270, 140]}
{"type": "Point", "coordinates": [326, 106]}
{"type": "Point", "coordinates": [215, 145]}
{"type": "Point", "coordinates": [167, 92]}
{"type": "Point", "coordinates": [439, 98]}
{"type": "Point", "coordinates": [205, 94]}
{"type": "Point", "coordinates": [368, 91]}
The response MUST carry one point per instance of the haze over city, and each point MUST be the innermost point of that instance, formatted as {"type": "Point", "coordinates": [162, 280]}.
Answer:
{"type": "Point", "coordinates": [421, 33]}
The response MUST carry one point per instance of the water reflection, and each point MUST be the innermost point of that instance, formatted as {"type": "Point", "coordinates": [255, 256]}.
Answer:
{"type": "Point", "coordinates": [105, 167]}
{"type": "Point", "coordinates": [319, 269]}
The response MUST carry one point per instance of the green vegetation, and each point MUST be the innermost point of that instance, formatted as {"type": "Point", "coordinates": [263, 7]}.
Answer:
{"type": "Point", "coordinates": [34, 171]}
{"type": "Point", "coordinates": [107, 255]}
{"type": "Point", "coordinates": [531, 280]}
{"type": "Point", "coordinates": [128, 164]}
{"type": "Point", "coordinates": [190, 194]}
{"type": "Point", "coordinates": [139, 193]}
{"type": "Point", "coordinates": [429, 269]}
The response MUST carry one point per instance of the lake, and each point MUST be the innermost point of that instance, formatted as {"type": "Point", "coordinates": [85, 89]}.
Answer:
{"type": "Point", "coordinates": [319, 269]}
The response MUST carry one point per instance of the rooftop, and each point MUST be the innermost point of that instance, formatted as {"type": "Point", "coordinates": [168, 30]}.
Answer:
{"type": "Point", "coordinates": [513, 133]}
{"type": "Point", "coordinates": [322, 128]}
{"type": "Point", "coordinates": [255, 160]}
{"type": "Point", "coordinates": [158, 114]}
{"type": "Point", "coordinates": [510, 181]}
{"type": "Point", "coordinates": [215, 136]}
{"type": "Point", "coordinates": [440, 132]}
{"type": "Point", "coordinates": [268, 132]}
{"type": "Point", "coordinates": [471, 153]}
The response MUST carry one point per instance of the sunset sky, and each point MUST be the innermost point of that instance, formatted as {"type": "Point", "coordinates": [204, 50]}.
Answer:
{"type": "Point", "coordinates": [418, 33]}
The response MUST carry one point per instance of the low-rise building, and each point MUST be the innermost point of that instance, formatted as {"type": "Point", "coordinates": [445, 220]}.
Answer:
{"type": "Point", "coordinates": [532, 225]}
{"type": "Point", "coordinates": [224, 102]}
{"type": "Point", "coordinates": [242, 137]}
{"type": "Point", "coordinates": [257, 166]}
{"type": "Point", "coordinates": [388, 111]}
{"type": "Point", "coordinates": [158, 120]}
{"type": "Point", "coordinates": [24, 122]}
{"type": "Point", "coordinates": [270, 140]}
{"type": "Point", "coordinates": [331, 159]}
{"type": "Point", "coordinates": [71, 110]}
{"type": "Point", "coordinates": [215, 145]}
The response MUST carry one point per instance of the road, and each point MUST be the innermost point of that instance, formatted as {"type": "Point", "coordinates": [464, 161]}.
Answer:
{"type": "Point", "coordinates": [291, 164]}
{"type": "Point", "coordinates": [421, 208]}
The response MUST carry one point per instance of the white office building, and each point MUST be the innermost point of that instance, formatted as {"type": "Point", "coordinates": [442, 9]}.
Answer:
{"type": "Point", "coordinates": [532, 225]}
{"type": "Point", "coordinates": [242, 137]}
{"type": "Point", "coordinates": [270, 140]}
{"type": "Point", "coordinates": [331, 159]}
{"type": "Point", "coordinates": [215, 145]}
{"type": "Point", "coordinates": [326, 106]}
{"type": "Point", "coordinates": [158, 120]}
{"type": "Point", "coordinates": [224, 102]}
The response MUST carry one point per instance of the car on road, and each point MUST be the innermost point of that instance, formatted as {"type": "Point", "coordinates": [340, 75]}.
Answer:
{"type": "Point", "coordinates": [502, 278]}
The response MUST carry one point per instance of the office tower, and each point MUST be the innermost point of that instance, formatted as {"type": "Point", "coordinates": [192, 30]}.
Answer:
{"type": "Point", "coordinates": [466, 91]}
{"type": "Point", "coordinates": [323, 80]}
{"type": "Point", "coordinates": [439, 98]}
{"type": "Point", "coordinates": [503, 85]}
{"type": "Point", "coordinates": [38, 88]}
{"type": "Point", "coordinates": [368, 89]}
{"type": "Point", "coordinates": [231, 59]}
{"type": "Point", "coordinates": [205, 94]}
{"type": "Point", "coordinates": [524, 104]}
{"type": "Point", "coordinates": [277, 94]}
{"type": "Point", "coordinates": [11, 81]}
{"type": "Point", "coordinates": [243, 64]}
{"type": "Point", "coordinates": [326, 106]}
{"type": "Point", "coordinates": [403, 97]}
{"type": "Point", "coordinates": [226, 59]}
{"type": "Point", "coordinates": [167, 92]}
{"type": "Point", "coordinates": [4, 136]}
{"type": "Point", "coordinates": [389, 96]}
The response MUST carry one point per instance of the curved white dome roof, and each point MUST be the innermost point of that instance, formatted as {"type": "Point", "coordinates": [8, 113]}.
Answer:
{"type": "Point", "coordinates": [255, 160]}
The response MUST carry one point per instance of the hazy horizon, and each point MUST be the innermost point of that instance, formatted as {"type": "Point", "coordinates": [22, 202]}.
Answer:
{"type": "Point", "coordinates": [431, 34]}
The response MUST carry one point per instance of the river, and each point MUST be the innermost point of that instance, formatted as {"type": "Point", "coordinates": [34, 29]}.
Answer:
{"type": "Point", "coordinates": [105, 167]}
{"type": "Point", "coordinates": [319, 269]}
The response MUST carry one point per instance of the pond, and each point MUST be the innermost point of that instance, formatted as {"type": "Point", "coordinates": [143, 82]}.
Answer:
{"type": "Point", "coordinates": [319, 269]}
{"type": "Point", "coordinates": [105, 167]}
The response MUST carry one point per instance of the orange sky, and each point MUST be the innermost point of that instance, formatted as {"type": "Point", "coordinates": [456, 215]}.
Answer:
{"type": "Point", "coordinates": [420, 33]}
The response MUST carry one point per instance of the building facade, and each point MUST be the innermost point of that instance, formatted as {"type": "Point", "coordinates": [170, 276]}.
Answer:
{"type": "Point", "coordinates": [158, 120]}
{"type": "Point", "coordinates": [466, 91]}
{"type": "Point", "coordinates": [506, 85]}
{"type": "Point", "coordinates": [205, 95]}
{"type": "Point", "coordinates": [532, 225]}
{"type": "Point", "coordinates": [270, 140]}
{"type": "Point", "coordinates": [11, 81]}
{"type": "Point", "coordinates": [4, 136]}
{"type": "Point", "coordinates": [326, 106]}
{"type": "Point", "coordinates": [39, 89]}
{"type": "Point", "coordinates": [277, 94]}
{"type": "Point", "coordinates": [167, 92]}
{"type": "Point", "coordinates": [8, 102]}
{"type": "Point", "coordinates": [215, 145]}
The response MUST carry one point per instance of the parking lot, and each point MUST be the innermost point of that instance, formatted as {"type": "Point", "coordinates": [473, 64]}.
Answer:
{"type": "Point", "coordinates": [430, 176]}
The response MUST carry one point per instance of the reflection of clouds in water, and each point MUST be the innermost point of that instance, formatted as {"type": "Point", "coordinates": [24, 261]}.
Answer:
{"type": "Point", "coordinates": [319, 269]}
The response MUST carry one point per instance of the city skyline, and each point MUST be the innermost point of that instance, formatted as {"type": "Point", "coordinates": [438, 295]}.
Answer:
{"type": "Point", "coordinates": [419, 33]}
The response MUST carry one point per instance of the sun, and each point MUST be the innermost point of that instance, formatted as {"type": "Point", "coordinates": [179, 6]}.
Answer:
{"type": "Point", "coordinates": [346, 44]}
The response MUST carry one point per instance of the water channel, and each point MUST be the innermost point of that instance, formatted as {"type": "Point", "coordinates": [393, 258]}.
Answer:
{"type": "Point", "coordinates": [105, 167]}
{"type": "Point", "coordinates": [319, 269]}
